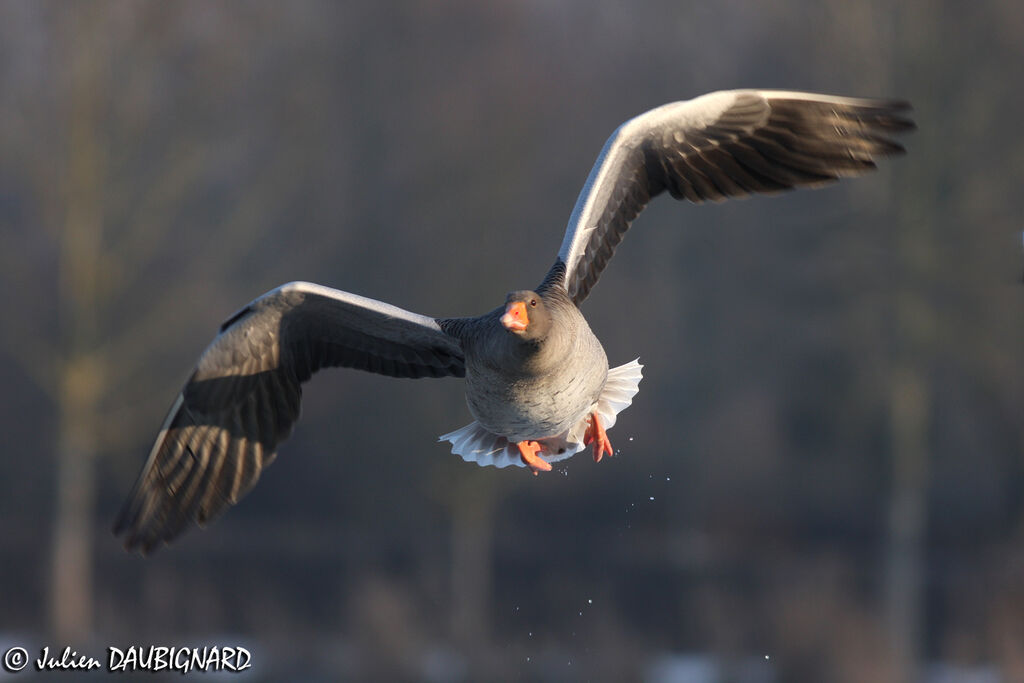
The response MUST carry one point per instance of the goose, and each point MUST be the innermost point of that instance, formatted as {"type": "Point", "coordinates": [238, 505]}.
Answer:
{"type": "Point", "coordinates": [537, 380]}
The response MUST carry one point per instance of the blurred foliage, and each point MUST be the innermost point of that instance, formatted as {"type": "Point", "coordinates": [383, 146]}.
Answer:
{"type": "Point", "coordinates": [428, 154]}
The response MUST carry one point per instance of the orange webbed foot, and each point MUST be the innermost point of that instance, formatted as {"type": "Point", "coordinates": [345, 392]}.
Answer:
{"type": "Point", "coordinates": [528, 454]}
{"type": "Point", "coordinates": [596, 435]}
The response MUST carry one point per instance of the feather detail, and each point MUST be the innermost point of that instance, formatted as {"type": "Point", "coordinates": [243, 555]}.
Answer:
{"type": "Point", "coordinates": [475, 444]}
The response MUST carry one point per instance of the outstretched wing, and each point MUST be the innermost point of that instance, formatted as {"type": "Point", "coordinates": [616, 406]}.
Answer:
{"type": "Point", "coordinates": [243, 398]}
{"type": "Point", "coordinates": [724, 144]}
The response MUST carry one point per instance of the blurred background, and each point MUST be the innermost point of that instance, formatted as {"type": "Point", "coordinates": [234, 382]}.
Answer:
{"type": "Point", "coordinates": [820, 480]}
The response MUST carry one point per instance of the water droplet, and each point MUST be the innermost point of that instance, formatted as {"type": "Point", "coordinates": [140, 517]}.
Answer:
{"type": "Point", "coordinates": [589, 601]}
{"type": "Point", "coordinates": [668, 478]}
{"type": "Point", "coordinates": [630, 438]}
{"type": "Point", "coordinates": [766, 658]}
{"type": "Point", "coordinates": [652, 497]}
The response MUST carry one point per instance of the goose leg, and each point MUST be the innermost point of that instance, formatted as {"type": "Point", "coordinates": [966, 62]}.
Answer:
{"type": "Point", "coordinates": [528, 454]}
{"type": "Point", "coordinates": [595, 434]}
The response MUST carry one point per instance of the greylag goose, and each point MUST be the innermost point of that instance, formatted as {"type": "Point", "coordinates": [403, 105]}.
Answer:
{"type": "Point", "coordinates": [537, 380]}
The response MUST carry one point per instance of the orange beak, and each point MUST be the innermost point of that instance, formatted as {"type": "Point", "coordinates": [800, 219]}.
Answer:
{"type": "Point", "coordinates": [515, 318]}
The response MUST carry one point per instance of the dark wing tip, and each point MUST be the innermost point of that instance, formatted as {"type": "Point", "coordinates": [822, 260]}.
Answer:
{"type": "Point", "coordinates": [891, 116]}
{"type": "Point", "coordinates": [893, 104]}
{"type": "Point", "coordinates": [205, 461]}
{"type": "Point", "coordinates": [726, 144]}
{"type": "Point", "coordinates": [244, 396]}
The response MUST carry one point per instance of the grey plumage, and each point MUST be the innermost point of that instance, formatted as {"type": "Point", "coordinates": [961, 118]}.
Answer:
{"type": "Point", "coordinates": [244, 396]}
{"type": "Point", "coordinates": [725, 144]}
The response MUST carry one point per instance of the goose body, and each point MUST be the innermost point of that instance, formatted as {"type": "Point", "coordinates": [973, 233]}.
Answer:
{"type": "Point", "coordinates": [526, 390]}
{"type": "Point", "coordinates": [538, 383]}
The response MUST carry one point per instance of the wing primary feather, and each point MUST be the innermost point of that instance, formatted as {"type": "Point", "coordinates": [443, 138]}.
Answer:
{"type": "Point", "coordinates": [207, 505]}
{"type": "Point", "coordinates": [746, 182]}
{"type": "Point", "coordinates": [719, 145]}
{"type": "Point", "coordinates": [244, 396]}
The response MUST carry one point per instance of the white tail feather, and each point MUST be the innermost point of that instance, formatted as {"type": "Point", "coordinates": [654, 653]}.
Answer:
{"type": "Point", "coordinates": [476, 444]}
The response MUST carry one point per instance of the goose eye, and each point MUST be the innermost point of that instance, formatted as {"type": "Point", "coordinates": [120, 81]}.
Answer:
{"type": "Point", "coordinates": [533, 302]}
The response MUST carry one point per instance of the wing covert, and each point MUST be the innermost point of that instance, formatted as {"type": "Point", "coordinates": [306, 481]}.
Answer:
{"type": "Point", "coordinates": [243, 398]}
{"type": "Point", "coordinates": [721, 145]}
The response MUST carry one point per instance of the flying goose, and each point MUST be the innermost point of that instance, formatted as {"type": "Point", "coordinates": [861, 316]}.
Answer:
{"type": "Point", "coordinates": [537, 380]}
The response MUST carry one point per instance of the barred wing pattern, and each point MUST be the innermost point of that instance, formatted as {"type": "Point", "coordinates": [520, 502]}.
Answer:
{"type": "Point", "coordinates": [725, 144]}
{"type": "Point", "coordinates": [244, 397]}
